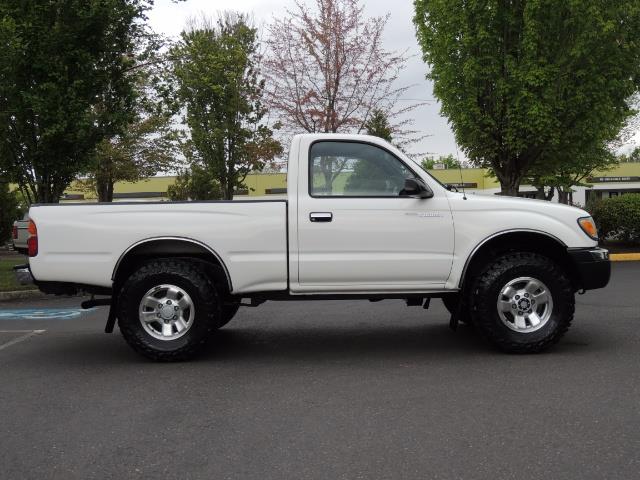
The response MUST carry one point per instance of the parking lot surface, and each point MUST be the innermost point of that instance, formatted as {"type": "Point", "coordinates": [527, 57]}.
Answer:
{"type": "Point", "coordinates": [323, 390]}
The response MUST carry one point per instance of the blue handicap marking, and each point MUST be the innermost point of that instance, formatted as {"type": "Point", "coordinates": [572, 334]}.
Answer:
{"type": "Point", "coordinates": [42, 313]}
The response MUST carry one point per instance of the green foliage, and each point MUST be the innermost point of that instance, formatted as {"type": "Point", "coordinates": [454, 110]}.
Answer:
{"type": "Point", "coordinates": [194, 184]}
{"type": "Point", "coordinates": [10, 210]}
{"type": "Point", "coordinates": [378, 125]}
{"type": "Point", "coordinates": [448, 161]}
{"type": "Point", "coordinates": [8, 281]}
{"type": "Point", "coordinates": [633, 156]}
{"type": "Point", "coordinates": [533, 82]}
{"type": "Point", "coordinates": [562, 173]}
{"type": "Point", "coordinates": [375, 174]}
{"type": "Point", "coordinates": [367, 179]}
{"type": "Point", "coordinates": [64, 85]}
{"type": "Point", "coordinates": [219, 85]}
{"type": "Point", "coordinates": [618, 217]}
{"type": "Point", "coordinates": [148, 145]}
{"type": "Point", "coordinates": [148, 142]}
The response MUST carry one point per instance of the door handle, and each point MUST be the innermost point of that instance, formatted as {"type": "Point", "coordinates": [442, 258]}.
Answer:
{"type": "Point", "coordinates": [321, 216]}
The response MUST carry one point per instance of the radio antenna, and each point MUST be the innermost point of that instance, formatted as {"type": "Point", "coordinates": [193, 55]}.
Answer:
{"type": "Point", "coordinates": [464, 194]}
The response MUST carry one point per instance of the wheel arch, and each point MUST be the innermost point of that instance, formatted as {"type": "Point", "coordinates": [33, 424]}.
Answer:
{"type": "Point", "coordinates": [171, 247]}
{"type": "Point", "coordinates": [518, 240]}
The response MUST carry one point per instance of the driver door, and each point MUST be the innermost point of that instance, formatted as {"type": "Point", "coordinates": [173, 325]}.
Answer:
{"type": "Point", "coordinates": [357, 231]}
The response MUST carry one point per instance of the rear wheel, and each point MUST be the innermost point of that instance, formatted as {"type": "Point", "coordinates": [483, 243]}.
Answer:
{"type": "Point", "coordinates": [522, 302]}
{"type": "Point", "coordinates": [167, 308]}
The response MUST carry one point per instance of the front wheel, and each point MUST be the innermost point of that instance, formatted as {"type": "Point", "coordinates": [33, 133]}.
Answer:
{"type": "Point", "coordinates": [167, 309]}
{"type": "Point", "coordinates": [522, 302]}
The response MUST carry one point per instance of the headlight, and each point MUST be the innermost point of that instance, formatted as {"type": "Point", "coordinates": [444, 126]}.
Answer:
{"type": "Point", "coordinates": [588, 226]}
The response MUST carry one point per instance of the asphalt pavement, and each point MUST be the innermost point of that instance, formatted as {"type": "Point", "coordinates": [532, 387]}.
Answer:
{"type": "Point", "coordinates": [323, 390]}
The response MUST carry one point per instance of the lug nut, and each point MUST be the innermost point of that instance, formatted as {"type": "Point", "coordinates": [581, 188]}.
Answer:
{"type": "Point", "coordinates": [533, 302]}
{"type": "Point", "coordinates": [175, 317]}
{"type": "Point", "coordinates": [526, 295]}
{"type": "Point", "coordinates": [168, 302]}
{"type": "Point", "coordinates": [519, 312]}
{"type": "Point", "coordinates": [514, 306]}
{"type": "Point", "coordinates": [175, 309]}
{"type": "Point", "coordinates": [529, 311]}
{"type": "Point", "coordinates": [517, 297]}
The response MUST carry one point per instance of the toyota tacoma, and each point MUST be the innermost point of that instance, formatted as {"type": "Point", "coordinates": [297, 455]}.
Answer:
{"type": "Point", "coordinates": [360, 221]}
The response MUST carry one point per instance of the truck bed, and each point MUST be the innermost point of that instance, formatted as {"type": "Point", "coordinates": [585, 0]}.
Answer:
{"type": "Point", "coordinates": [83, 243]}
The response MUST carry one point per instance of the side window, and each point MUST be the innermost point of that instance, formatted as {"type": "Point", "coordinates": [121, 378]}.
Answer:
{"type": "Point", "coordinates": [351, 169]}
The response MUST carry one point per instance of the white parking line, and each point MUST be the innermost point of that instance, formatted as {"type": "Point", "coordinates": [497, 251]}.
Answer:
{"type": "Point", "coordinates": [27, 334]}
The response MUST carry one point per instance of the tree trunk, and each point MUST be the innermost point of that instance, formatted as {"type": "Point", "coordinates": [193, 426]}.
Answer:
{"type": "Point", "coordinates": [509, 182]}
{"type": "Point", "coordinates": [227, 189]}
{"type": "Point", "coordinates": [104, 188]}
{"type": "Point", "coordinates": [563, 197]}
{"type": "Point", "coordinates": [510, 187]}
{"type": "Point", "coordinates": [549, 196]}
{"type": "Point", "coordinates": [47, 193]}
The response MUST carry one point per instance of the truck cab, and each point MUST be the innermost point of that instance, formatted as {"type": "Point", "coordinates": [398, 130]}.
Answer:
{"type": "Point", "coordinates": [357, 227]}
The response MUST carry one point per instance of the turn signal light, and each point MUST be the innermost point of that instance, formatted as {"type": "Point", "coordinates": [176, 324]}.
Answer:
{"type": "Point", "coordinates": [32, 241]}
{"type": "Point", "coordinates": [588, 226]}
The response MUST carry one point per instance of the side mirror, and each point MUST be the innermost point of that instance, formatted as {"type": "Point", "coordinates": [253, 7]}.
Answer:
{"type": "Point", "coordinates": [416, 188]}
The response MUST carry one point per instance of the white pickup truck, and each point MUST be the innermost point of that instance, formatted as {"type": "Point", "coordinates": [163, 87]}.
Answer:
{"type": "Point", "coordinates": [360, 221]}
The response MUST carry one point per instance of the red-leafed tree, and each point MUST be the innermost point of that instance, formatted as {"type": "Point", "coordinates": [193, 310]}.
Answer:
{"type": "Point", "coordinates": [330, 71]}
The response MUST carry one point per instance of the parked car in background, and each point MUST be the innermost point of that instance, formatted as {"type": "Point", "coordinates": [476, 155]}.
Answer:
{"type": "Point", "coordinates": [20, 234]}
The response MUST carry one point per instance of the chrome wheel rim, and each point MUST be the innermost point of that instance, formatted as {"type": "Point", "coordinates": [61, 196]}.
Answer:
{"type": "Point", "coordinates": [166, 312]}
{"type": "Point", "coordinates": [525, 304]}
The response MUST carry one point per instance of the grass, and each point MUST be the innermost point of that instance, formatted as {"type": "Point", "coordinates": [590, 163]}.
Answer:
{"type": "Point", "coordinates": [7, 278]}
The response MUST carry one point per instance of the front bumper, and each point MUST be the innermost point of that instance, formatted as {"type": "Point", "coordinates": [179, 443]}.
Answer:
{"type": "Point", "coordinates": [23, 274]}
{"type": "Point", "coordinates": [592, 266]}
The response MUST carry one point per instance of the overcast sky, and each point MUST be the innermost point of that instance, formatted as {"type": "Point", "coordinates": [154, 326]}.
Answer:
{"type": "Point", "coordinates": [169, 18]}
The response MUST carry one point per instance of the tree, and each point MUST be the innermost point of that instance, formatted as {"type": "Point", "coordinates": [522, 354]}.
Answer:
{"type": "Point", "coordinates": [378, 125]}
{"type": "Point", "coordinates": [524, 83]}
{"type": "Point", "coordinates": [146, 148]}
{"type": "Point", "coordinates": [10, 210]}
{"type": "Point", "coordinates": [368, 176]}
{"type": "Point", "coordinates": [632, 157]}
{"type": "Point", "coordinates": [216, 68]}
{"type": "Point", "coordinates": [63, 86]}
{"type": "Point", "coordinates": [448, 161]}
{"type": "Point", "coordinates": [566, 172]}
{"type": "Point", "coordinates": [329, 70]}
{"type": "Point", "coordinates": [194, 184]}
{"type": "Point", "coordinates": [148, 145]}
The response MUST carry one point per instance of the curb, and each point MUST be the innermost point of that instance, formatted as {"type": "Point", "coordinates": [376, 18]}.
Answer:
{"type": "Point", "coordinates": [624, 257]}
{"type": "Point", "coordinates": [20, 295]}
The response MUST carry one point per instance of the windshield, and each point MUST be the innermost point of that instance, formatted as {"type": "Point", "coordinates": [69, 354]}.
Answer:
{"type": "Point", "coordinates": [419, 165]}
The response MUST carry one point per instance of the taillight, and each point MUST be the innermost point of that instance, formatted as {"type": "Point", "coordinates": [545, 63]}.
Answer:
{"type": "Point", "coordinates": [14, 232]}
{"type": "Point", "coordinates": [32, 241]}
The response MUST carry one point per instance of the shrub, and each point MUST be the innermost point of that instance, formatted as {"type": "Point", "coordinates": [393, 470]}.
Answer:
{"type": "Point", "coordinates": [9, 211]}
{"type": "Point", "coordinates": [618, 217]}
